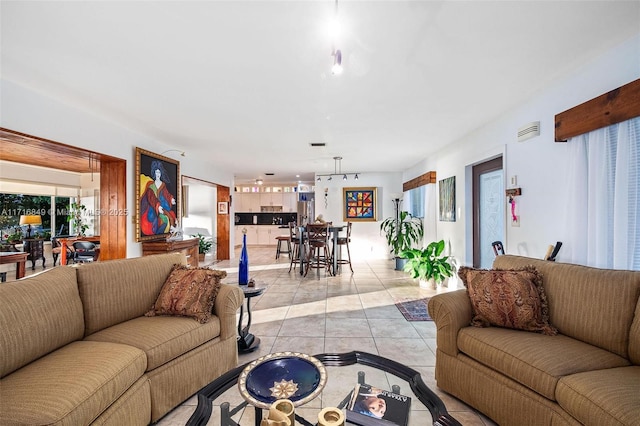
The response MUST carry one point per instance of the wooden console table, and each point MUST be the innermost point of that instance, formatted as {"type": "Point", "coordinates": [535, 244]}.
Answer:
{"type": "Point", "coordinates": [17, 257]}
{"type": "Point", "coordinates": [188, 247]}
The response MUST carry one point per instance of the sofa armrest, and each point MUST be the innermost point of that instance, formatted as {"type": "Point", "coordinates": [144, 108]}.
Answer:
{"type": "Point", "coordinates": [450, 311]}
{"type": "Point", "coordinates": [228, 301]}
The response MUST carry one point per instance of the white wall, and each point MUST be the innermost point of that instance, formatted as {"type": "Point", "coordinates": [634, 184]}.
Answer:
{"type": "Point", "coordinates": [26, 111]}
{"type": "Point", "coordinates": [366, 241]}
{"type": "Point", "coordinates": [540, 163]}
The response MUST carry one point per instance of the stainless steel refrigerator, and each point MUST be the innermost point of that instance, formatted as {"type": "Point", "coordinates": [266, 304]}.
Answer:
{"type": "Point", "coordinates": [306, 212]}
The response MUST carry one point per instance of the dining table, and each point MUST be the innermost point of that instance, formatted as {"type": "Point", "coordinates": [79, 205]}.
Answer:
{"type": "Point", "coordinates": [334, 231]}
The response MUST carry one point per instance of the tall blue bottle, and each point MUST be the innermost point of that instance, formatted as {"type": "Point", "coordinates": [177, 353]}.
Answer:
{"type": "Point", "coordinates": [243, 272]}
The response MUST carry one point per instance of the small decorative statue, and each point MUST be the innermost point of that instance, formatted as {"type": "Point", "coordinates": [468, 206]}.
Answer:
{"type": "Point", "coordinates": [175, 233]}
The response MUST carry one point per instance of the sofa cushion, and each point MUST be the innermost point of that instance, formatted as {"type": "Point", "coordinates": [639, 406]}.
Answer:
{"type": "Point", "coordinates": [634, 337]}
{"type": "Point", "coordinates": [508, 298]}
{"type": "Point", "coordinates": [72, 385]}
{"type": "Point", "coordinates": [189, 292]}
{"type": "Point", "coordinates": [161, 338]}
{"type": "Point", "coordinates": [39, 314]}
{"type": "Point", "coordinates": [602, 397]}
{"type": "Point", "coordinates": [532, 359]}
{"type": "Point", "coordinates": [593, 305]}
{"type": "Point", "coordinates": [119, 290]}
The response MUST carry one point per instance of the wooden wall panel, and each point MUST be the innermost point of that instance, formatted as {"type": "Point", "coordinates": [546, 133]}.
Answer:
{"type": "Point", "coordinates": [113, 210]}
{"type": "Point", "coordinates": [616, 106]}
{"type": "Point", "coordinates": [222, 226]}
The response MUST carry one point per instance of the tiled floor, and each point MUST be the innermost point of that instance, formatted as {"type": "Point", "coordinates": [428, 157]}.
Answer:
{"type": "Point", "coordinates": [319, 314]}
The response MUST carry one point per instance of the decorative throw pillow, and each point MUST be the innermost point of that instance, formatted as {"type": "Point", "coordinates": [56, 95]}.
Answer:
{"type": "Point", "coordinates": [508, 298]}
{"type": "Point", "coordinates": [189, 292]}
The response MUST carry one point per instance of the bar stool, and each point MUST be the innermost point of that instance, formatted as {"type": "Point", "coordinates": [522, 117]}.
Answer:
{"type": "Point", "coordinates": [294, 239]}
{"type": "Point", "coordinates": [344, 241]}
{"type": "Point", "coordinates": [318, 240]}
{"type": "Point", "coordinates": [279, 249]}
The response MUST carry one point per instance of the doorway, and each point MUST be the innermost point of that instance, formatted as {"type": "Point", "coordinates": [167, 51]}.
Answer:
{"type": "Point", "coordinates": [488, 210]}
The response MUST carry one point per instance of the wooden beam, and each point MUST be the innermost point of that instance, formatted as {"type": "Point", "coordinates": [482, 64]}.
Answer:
{"type": "Point", "coordinates": [616, 106]}
{"type": "Point", "coordinates": [223, 229]}
{"type": "Point", "coordinates": [113, 209]}
{"type": "Point", "coordinates": [429, 177]}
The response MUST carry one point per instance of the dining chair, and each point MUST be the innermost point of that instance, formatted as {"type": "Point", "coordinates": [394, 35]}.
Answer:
{"type": "Point", "coordinates": [56, 249]}
{"type": "Point", "coordinates": [344, 242]}
{"type": "Point", "coordinates": [498, 248]}
{"type": "Point", "coordinates": [84, 251]}
{"type": "Point", "coordinates": [318, 255]}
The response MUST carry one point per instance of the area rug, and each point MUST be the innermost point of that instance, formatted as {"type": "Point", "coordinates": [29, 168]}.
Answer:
{"type": "Point", "coordinates": [414, 310]}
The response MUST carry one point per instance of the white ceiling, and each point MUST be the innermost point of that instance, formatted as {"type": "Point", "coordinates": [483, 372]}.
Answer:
{"type": "Point", "coordinates": [247, 85]}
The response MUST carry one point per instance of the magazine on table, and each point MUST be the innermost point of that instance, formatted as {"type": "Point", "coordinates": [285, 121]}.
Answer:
{"type": "Point", "coordinates": [371, 406]}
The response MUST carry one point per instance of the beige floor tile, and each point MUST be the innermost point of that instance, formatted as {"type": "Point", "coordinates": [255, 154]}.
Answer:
{"type": "Point", "coordinates": [393, 328]}
{"type": "Point", "coordinates": [410, 352]}
{"type": "Point", "coordinates": [347, 327]}
{"type": "Point", "coordinates": [340, 345]}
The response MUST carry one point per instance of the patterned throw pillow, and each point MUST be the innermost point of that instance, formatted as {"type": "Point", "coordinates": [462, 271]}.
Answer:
{"type": "Point", "coordinates": [508, 298]}
{"type": "Point", "coordinates": [189, 292]}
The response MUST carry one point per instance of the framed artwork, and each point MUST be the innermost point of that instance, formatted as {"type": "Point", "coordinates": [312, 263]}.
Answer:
{"type": "Point", "coordinates": [158, 195]}
{"type": "Point", "coordinates": [223, 207]}
{"type": "Point", "coordinates": [447, 199]}
{"type": "Point", "coordinates": [360, 205]}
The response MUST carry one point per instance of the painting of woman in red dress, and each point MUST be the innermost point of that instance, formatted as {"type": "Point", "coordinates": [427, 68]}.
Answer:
{"type": "Point", "coordinates": [157, 214]}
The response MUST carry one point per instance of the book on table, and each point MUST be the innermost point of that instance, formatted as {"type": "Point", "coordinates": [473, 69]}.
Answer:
{"type": "Point", "coordinates": [371, 406]}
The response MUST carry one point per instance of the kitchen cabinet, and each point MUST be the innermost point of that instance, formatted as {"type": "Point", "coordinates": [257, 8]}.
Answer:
{"type": "Point", "coordinates": [264, 235]}
{"type": "Point", "coordinates": [290, 202]}
{"type": "Point", "coordinates": [247, 202]}
{"type": "Point", "coordinates": [270, 198]}
{"type": "Point", "coordinates": [252, 234]}
{"type": "Point", "coordinates": [267, 234]}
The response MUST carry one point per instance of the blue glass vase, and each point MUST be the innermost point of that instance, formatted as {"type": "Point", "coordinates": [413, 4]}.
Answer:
{"type": "Point", "coordinates": [243, 272]}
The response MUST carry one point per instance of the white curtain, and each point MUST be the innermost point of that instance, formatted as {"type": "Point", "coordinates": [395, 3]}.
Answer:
{"type": "Point", "coordinates": [604, 212]}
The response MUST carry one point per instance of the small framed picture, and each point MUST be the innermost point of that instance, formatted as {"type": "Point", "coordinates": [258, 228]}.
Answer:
{"type": "Point", "coordinates": [223, 207]}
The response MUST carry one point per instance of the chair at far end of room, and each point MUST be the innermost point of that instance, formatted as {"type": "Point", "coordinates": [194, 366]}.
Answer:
{"type": "Point", "coordinates": [84, 251]}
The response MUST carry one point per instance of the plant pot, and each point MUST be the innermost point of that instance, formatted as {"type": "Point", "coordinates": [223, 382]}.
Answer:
{"type": "Point", "coordinates": [400, 262]}
{"type": "Point", "coordinates": [427, 284]}
{"type": "Point", "coordinates": [201, 257]}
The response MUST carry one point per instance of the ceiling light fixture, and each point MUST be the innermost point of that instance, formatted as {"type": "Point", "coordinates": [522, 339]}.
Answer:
{"type": "Point", "coordinates": [336, 69]}
{"type": "Point", "coordinates": [259, 181]}
{"type": "Point", "coordinates": [337, 171]}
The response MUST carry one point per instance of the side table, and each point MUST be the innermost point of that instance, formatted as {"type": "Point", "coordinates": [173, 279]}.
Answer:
{"type": "Point", "coordinates": [247, 342]}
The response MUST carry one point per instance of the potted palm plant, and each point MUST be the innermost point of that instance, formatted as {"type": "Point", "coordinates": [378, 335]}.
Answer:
{"type": "Point", "coordinates": [402, 232]}
{"type": "Point", "coordinates": [428, 264]}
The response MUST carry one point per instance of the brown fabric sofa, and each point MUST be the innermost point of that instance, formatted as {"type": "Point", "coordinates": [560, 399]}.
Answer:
{"type": "Point", "coordinates": [587, 374]}
{"type": "Point", "coordinates": [76, 348]}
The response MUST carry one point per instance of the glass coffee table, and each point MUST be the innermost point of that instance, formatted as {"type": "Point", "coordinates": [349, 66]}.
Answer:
{"type": "Point", "coordinates": [222, 403]}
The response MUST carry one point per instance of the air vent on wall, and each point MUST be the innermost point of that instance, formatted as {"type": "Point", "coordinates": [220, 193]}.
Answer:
{"type": "Point", "coordinates": [317, 144]}
{"type": "Point", "coordinates": [529, 131]}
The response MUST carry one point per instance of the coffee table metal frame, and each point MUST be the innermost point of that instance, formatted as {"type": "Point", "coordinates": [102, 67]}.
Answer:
{"type": "Point", "coordinates": [436, 407]}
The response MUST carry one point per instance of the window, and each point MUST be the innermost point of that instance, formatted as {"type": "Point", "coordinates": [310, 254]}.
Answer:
{"type": "Point", "coordinates": [604, 212]}
{"type": "Point", "coordinates": [414, 201]}
{"type": "Point", "coordinates": [13, 206]}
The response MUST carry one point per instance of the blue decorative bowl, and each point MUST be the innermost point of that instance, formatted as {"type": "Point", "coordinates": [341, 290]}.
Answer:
{"type": "Point", "coordinates": [283, 375]}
